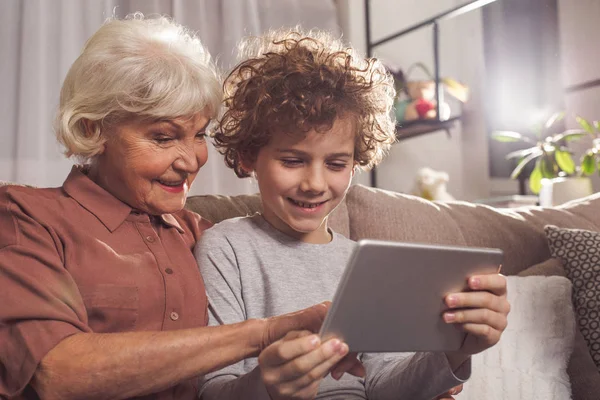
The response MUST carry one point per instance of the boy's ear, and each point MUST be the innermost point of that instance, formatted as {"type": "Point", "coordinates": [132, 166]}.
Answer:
{"type": "Point", "coordinates": [354, 168]}
{"type": "Point", "coordinates": [246, 165]}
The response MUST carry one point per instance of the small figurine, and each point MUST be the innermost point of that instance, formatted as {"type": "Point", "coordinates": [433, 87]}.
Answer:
{"type": "Point", "coordinates": [431, 185]}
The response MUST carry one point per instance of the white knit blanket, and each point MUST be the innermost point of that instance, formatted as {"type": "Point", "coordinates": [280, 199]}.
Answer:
{"type": "Point", "coordinates": [530, 361]}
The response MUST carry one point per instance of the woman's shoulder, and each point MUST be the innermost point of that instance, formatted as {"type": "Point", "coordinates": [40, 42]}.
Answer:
{"type": "Point", "coordinates": [31, 209]}
{"type": "Point", "coordinates": [31, 198]}
{"type": "Point", "coordinates": [192, 222]}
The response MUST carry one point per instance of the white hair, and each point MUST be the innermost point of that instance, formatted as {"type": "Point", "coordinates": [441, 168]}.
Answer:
{"type": "Point", "coordinates": [148, 67]}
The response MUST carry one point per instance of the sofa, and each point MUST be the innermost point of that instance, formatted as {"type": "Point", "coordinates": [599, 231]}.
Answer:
{"type": "Point", "coordinates": [379, 214]}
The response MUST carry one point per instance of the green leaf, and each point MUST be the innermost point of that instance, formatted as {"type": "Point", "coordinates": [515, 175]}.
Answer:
{"type": "Point", "coordinates": [584, 124]}
{"type": "Point", "coordinates": [597, 125]}
{"type": "Point", "coordinates": [523, 153]}
{"type": "Point", "coordinates": [588, 164]}
{"type": "Point", "coordinates": [547, 167]}
{"type": "Point", "coordinates": [565, 161]}
{"type": "Point", "coordinates": [517, 171]}
{"type": "Point", "coordinates": [535, 179]}
{"type": "Point", "coordinates": [554, 118]}
{"type": "Point", "coordinates": [509, 136]}
{"type": "Point", "coordinates": [570, 135]}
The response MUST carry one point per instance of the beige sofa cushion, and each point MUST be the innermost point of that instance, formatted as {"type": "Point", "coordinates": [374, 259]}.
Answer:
{"type": "Point", "coordinates": [550, 267]}
{"type": "Point", "coordinates": [530, 361]}
{"type": "Point", "coordinates": [380, 214]}
{"type": "Point", "coordinates": [585, 379]}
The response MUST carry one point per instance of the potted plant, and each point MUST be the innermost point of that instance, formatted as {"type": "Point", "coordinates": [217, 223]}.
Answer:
{"type": "Point", "coordinates": [590, 161]}
{"type": "Point", "coordinates": [554, 174]}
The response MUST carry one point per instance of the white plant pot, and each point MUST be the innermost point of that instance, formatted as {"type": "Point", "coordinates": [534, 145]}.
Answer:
{"type": "Point", "coordinates": [560, 190]}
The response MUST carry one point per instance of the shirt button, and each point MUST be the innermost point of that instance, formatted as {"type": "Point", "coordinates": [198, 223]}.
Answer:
{"type": "Point", "coordinates": [150, 238]}
{"type": "Point", "coordinates": [174, 316]}
{"type": "Point", "coordinates": [169, 271]}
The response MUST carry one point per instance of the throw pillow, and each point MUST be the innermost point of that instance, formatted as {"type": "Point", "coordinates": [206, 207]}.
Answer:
{"type": "Point", "coordinates": [579, 251]}
{"type": "Point", "coordinates": [530, 361]}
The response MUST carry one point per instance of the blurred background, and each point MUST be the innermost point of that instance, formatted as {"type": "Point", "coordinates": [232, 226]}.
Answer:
{"type": "Point", "coordinates": [522, 60]}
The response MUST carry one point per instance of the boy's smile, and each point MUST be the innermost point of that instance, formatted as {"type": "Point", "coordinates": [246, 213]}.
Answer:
{"type": "Point", "coordinates": [303, 178]}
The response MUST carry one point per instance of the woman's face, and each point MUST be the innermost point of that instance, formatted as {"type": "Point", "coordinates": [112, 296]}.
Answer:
{"type": "Point", "coordinates": [150, 165]}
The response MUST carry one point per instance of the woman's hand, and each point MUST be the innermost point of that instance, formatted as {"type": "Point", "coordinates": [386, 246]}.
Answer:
{"type": "Point", "coordinates": [481, 313]}
{"type": "Point", "coordinates": [308, 319]}
{"type": "Point", "coordinates": [293, 367]}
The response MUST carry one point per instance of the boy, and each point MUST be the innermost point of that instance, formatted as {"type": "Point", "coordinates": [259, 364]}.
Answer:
{"type": "Point", "coordinates": [302, 113]}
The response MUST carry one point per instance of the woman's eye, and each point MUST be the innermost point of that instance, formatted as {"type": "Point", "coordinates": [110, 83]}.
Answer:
{"type": "Point", "coordinates": [201, 135]}
{"type": "Point", "coordinates": [162, 139]}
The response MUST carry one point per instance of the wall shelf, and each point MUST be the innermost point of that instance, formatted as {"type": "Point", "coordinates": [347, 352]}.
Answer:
{"type": "Point", "coordinates": [410, 129]}
{"type": "Point", "coordinates": [413, 129]}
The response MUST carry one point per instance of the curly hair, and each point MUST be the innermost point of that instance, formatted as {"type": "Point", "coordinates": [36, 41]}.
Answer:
{"type": "Point", "coordinates": [292, 82]}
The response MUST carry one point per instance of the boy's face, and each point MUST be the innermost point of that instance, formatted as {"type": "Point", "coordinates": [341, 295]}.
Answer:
{"type": "Point", "coordinates": [302, 179]}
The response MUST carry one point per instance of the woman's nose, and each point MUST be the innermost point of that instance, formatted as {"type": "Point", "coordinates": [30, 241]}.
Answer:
{"type": "Point", "coordinates": [187, 160]}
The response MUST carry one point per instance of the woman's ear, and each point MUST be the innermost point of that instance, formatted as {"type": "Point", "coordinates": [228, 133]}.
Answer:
{"type": "Point", "coordinates": [92, 129]}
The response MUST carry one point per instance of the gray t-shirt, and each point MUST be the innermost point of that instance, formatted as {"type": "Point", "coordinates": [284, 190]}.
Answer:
{"type": "Point", "coordinates": [252, 270]}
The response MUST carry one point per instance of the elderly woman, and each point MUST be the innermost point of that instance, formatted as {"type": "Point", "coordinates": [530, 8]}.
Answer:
{"type": "Point", "coordinates": [101, 296]}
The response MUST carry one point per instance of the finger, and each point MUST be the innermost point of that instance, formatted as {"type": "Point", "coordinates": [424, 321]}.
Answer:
{"type": "Point", "coordinates": [485, 300]}
{"type": "Point", "coordinates": [289, 390]}
{"type": "Point", "coordinates": [448, 395]}
{"type": "Point", "coordinates": [331, 351]}
{"type": "Point", "coordinates": [484, 333]}
{"type": "Point", "coordinates": [481, 316]}
{"type": "Point", "coordinates": [456, 389]}
{"type": "Point", "coordinates": [293, 345]}
{"type": "Point", "coordinates": [495, 283]}
{"type": "Point", "coordinates": [350, 364]}
{"type": "Point", "coordinates": [318, 363]}
{"type": "Point", "coordinates": [295, 335]}
{"type": "Point", "coordinates": [310, 318]}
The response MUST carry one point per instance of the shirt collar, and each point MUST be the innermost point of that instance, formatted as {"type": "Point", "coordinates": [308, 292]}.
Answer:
{"type": "Point", "coordinates": [106, 207]}
{"type": "Point", "coordinates": [170, 220]}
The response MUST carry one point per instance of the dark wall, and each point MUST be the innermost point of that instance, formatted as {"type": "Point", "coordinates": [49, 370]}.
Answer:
{"type": "Point", "coordinates": [522, 61]}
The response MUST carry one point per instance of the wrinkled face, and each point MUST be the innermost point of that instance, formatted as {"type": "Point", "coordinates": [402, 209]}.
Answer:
{"type": "Point", "coordinates": [302, 179]}
{"type": "Point", "coordinates": [150, 165]}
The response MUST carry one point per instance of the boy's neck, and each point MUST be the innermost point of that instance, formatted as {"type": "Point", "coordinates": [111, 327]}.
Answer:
{"type": "Point", "coordinates": [323, 235]}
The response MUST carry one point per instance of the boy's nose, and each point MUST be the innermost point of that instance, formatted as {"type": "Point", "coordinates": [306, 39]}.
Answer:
{"type": "Point", "coordinates": [314, 181]}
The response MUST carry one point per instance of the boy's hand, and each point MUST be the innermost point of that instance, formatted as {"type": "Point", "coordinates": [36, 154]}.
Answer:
{"type": "Point", "coordinates": [293, 367]}
{"type": "Point", "coordinates": [481, 313]}
{"type": "Point", "coordinates": [449, 395]}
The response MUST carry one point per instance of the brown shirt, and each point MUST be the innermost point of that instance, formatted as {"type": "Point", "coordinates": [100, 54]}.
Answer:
{"type": "Point", "coordinates": [76, 259]}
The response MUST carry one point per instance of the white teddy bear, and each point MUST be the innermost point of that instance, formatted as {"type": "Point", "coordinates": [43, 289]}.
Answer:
{"type": "Point", "coordinates": [431, 185]}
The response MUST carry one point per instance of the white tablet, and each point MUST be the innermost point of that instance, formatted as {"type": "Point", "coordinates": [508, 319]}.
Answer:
{"type": "Point", "coordinates": [391, 295]}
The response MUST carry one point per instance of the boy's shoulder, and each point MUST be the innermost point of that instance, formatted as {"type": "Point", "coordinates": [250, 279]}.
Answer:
{"type": "Point", "coordinates": [231, 228]}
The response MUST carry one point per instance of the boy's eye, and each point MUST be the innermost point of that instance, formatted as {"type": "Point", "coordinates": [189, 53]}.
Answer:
{"type": "Point", "coordinates": [291, 162]}
{"type": "Point", "coordinates": [337, 165]}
